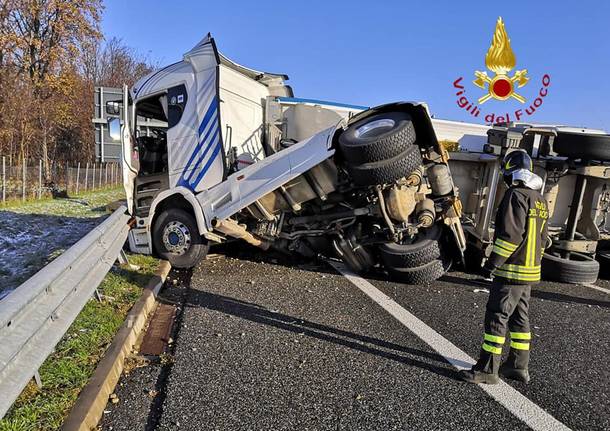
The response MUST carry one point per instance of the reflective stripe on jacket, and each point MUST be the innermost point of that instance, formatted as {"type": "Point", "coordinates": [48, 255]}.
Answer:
{"type": "Point", "coordinates": [520, 236]}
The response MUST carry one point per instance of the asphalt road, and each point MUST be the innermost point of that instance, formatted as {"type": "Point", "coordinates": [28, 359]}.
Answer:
{"type": "Point", "coordinates": [278, 345]}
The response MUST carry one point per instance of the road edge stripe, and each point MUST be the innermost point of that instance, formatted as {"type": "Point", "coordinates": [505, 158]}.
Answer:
{"type": "Point", "coordinates": [92, 400]}
{"type": "Point", "coordinates": [514, 401]}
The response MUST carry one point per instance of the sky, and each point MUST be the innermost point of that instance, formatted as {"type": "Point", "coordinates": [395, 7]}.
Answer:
{"type": "Point", "coordinates": [374, 52]}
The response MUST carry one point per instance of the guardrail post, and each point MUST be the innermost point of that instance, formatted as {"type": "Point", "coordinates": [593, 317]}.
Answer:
{"type": "Point", "coordinates": [38, 380]}
{"type": "Point", "coordinates": [122, 258]}
{"type": "Point", "coordinates": [77, 176]}
{"type": "Point", "coordinates": [124, 262]}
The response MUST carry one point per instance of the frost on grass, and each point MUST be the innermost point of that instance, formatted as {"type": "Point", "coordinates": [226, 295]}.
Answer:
{"type": "Point", "coordinates": [33, 234]}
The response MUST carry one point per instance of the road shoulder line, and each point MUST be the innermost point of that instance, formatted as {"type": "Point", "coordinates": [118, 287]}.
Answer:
{"type": "Point", "coordinates": [92, 400]}
{"type": "Point", "coordinates": [514, 401]}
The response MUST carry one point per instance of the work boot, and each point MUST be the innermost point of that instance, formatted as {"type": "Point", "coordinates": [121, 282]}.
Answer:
{"type": "Point", "coordinates": [520, 375]}
{"type": "Point", "coordinates": [477, 376]}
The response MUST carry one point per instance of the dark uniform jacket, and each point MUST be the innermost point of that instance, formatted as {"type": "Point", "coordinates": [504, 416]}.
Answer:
{"type": "Point", "coordinates": [520, 236]}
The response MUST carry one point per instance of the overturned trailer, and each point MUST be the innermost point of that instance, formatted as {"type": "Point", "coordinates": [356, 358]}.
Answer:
{"type": "Point", "coordinates": [214, 151]}
{"type": "Point", "coordinates": [574, 164]}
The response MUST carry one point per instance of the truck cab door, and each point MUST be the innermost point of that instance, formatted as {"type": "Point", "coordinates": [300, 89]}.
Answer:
{"type": "Point", "coordinates": [121, 129]}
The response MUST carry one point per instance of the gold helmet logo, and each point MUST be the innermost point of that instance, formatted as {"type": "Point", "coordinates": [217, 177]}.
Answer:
{"type": "Point", "coordinates": [500, 59]}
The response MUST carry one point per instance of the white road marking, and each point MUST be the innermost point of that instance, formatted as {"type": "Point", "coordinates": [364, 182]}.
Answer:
{"type": "Point", "coordinates": [516, 403]}
{"type": "Point", "coordinates": [601, 289]}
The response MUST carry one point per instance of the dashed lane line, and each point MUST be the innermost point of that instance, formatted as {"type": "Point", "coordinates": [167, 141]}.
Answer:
{"type": "Point", "coordinates": [514, 401]}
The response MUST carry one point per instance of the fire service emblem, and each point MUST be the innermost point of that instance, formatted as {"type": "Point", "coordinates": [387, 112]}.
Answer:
{"type": "Point", "coordinates": [500, 59]}
{"type": "Point", "coordinates": [502, 86]}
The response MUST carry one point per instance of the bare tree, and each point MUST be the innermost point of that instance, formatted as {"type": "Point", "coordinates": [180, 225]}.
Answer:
{"type": "Point", "coordinates": [118, 64]}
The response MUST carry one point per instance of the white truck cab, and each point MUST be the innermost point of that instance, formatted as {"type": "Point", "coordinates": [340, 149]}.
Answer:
{"type": "Point", "coordinates": [211, 112]}
{"type": "Point", "coordinates": [213, 150]}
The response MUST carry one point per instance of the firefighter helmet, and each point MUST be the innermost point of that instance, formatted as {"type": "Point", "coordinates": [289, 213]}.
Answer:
{"type": "Point", "coordinates": [517, 160]}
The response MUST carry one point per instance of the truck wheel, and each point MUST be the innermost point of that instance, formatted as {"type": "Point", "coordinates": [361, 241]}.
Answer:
{"type": "Point", "coordinates": [386, 171]}
{"type": "Point", "coordinates": [423, 250]}
{"type": "Point", "coordinates": [581, 146]}
{"type": "Point", "coordinates": [578, 269]}
{"type": "Point", "coordinates": [424, 274]}
{"type": "Point", "coordinates": [603, 257]}
{"type": "Point", "coordinates": [177, 240]}
{"type": "Point", "coordinates": [376, 138]}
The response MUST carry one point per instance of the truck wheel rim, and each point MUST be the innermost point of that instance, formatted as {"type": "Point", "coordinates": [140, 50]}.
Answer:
{"type": "Point", "coordinates": [384, 123]}
{"type": "Point", "coordinates": [176, 238]}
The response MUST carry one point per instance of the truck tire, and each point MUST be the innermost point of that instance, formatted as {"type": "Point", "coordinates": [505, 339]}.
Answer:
{"type": "Point", "coordinates": [386, 171]}
{"type": "Point", "coordinates": [376, 138]}
{"type": "Point", "coordinates": [603, 257]}
{"type": "Point", "coordinates": [177, 240]}
{"type": "Point", "coordinates": [578, 269]}
{"type": "Point", "coordinates": [581, 146]}
{"type": "Point", "coordinates": [424, 274]}
{"type": "Point", "coordinates": [423, 250]}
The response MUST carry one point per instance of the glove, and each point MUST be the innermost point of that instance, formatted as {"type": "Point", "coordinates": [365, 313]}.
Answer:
{"type": "Point", "coordinates": [486, 271]}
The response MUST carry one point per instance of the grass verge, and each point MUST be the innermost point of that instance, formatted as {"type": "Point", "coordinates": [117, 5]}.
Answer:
{"type": "Point", "coordinates": [67, 370]}
{"type": "Point", "coordinates": [85, 204]}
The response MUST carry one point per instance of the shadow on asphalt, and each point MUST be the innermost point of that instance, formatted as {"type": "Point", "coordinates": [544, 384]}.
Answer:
{"type": "Point", "coordinates": [255, 255]}
{"type": "Point", "coordinates": [462, 281]}
{"type": "Point", "coordinates": [249, 253]}
{"type": "Point", "coordinates": [320, 265]}
{"type": "Point", "coordinates": [568, 299]}
{"type": "Point", "coordinates": [536, 292]}
{"type": "Point", "coordinates": [256, 313]}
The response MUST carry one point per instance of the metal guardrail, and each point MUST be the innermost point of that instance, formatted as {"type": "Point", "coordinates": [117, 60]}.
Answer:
{"type": "Point", "coordinates": [35, 316]}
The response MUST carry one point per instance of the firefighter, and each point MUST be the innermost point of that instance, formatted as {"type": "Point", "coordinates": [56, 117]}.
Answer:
{"type": "Point", "coordinates": [519, 241]}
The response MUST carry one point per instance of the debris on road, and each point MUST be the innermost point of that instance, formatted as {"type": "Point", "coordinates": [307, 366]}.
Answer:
{"type": "Point", "coordinates": [481, 290]}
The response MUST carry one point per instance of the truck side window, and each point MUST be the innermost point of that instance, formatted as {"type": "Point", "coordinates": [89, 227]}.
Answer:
{"type": "Point", "coordinates": [176, 102]}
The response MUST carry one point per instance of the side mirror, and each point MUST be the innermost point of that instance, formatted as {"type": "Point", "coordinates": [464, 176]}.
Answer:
{"type": "Point", "coordinates": [114, 129]}
{"type": "Point", "coordinates": [113, 108]}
